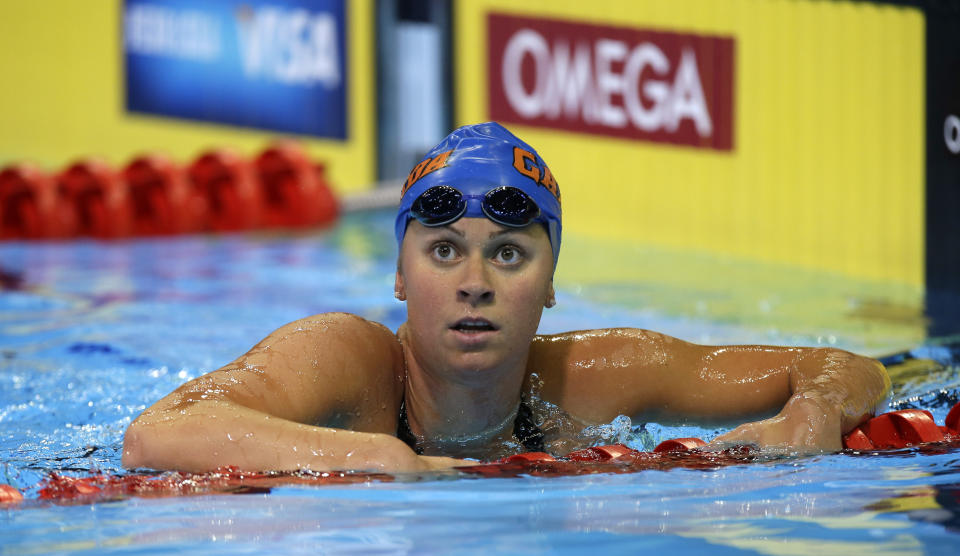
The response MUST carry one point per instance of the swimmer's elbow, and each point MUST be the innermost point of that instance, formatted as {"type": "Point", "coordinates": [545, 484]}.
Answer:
{"type": "Point", "coordinates": [144, 446]}
{"type": "Point", "coordinates": [863, 374]}
{"type": "Point", "coordinates": [133, 453]}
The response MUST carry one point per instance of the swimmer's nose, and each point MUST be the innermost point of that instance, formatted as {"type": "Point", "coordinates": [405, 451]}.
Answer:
{"type": "Point", "coordinates": [475, 288]}
{"type": "Point", "coordinates": [475, 294]}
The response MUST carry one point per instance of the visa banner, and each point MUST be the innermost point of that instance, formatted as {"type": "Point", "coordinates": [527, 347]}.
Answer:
{"type": "Point", "coordinates": [278, 65]}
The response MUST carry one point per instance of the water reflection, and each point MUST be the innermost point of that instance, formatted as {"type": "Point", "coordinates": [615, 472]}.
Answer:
{"type": "Point", "coordinates": [936, 503]}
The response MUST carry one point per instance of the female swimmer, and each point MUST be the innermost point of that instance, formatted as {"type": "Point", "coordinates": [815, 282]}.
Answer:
{"type": "Point", "coordinates": [479, 235]}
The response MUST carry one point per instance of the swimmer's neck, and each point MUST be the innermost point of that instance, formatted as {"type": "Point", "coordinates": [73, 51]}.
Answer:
{"type": "Point", "coordinates": [460, 408]}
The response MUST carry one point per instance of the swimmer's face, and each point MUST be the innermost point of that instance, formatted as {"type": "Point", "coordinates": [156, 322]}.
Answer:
{"type": "Point", "coordinates": [475, 291]}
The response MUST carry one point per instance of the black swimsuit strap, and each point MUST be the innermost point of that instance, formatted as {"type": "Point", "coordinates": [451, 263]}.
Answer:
{"type": "Point", "coordinates": [525, 430]}
{"type": "Point", "coordinates": [403, 430]}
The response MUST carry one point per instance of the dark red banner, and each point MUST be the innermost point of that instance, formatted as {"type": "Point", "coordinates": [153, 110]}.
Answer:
{"type": "Point", "coordinates": [632, 83]}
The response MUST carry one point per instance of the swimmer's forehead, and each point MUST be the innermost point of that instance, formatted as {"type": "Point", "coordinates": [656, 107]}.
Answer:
{"type": "Point", "coordinates": [463, 228]}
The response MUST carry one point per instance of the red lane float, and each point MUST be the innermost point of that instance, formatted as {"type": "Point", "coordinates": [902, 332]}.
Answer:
{"type": "Point", "coordinates": [226, 480]}
{"type": "Point", "coordinates": [679, 445]}
{"type": "Point", "coordinates": [894, 430]}
{"type": "Point", "coordinates": [902, 429]}
{"type": "Point", "coordinates": [226, 181]}
{"type": "Point", "coordinates": [615, 458]}
{"type": "Point", "coordinates": [599, 453]}
{"type": "Point", "coordinates": [294, 189]}
{"type": "Point", "coordinates": [28, 204]}
{"type": "Point", "coordinates": [93, 200]}
{"type": "Point", "coordinates": [219, 191]}
{"type": "Point", "coordinates": [162, 200]}
{"type": "Point", "coordinates": [953, 420]}
{"type": "Point", "coordinates": [527, 457]}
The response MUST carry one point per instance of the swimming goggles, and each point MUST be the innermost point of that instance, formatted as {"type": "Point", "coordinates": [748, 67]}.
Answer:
{"type": "Point", "coordinates": [442, 204]}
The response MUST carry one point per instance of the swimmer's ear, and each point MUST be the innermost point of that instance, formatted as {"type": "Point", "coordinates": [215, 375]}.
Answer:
{"type": "Point", "coordinates": [551, 297]}
{"type": "Point", "coordinates": [399, 291]}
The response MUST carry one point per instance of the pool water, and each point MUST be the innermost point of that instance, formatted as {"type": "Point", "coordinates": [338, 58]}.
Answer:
{"type": "Point", "coordinates": [91, 333]}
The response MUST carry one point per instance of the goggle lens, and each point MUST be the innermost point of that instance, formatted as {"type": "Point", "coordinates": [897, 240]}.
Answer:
{"type": "Point", "coordinates": [439, 206]}
{"type": "Point", "coordinates": [510, 206]}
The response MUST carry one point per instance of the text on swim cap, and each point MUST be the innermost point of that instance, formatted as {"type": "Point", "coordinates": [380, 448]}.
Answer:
{"type": "Point", "coordinates": [526, 164]}
{"type": "Point", "coordinates": [425, 166]}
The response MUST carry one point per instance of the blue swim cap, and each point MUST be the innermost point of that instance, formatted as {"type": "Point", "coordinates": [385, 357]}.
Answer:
{"type": "Point", "coordinates": [477, 158]}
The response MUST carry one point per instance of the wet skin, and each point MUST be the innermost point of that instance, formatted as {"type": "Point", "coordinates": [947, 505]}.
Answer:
{"type": "Point", "coordinates": [324, 392]}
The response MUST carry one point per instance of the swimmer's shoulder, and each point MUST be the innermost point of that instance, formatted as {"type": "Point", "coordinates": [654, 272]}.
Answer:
{"type": "Point", "coordinates": [344, 339]}
{"type": "Point", "coordinates": [576, 368]}
{"type": "Point", "coordinates": [344, 323]}
{"type": "Point", "coordinates": [550, 347]}
{"type": "Point", "coordinates": [551, 353]}
{"type": "Point", "coordinates": [331, 369]}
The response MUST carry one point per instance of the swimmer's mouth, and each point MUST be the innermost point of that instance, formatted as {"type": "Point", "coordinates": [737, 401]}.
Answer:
{"type": "Point", "coordinates": [473, 325]}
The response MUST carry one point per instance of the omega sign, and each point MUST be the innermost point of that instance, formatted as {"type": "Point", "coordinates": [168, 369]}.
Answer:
{"type": "Point", "coordinates": [631, 83]}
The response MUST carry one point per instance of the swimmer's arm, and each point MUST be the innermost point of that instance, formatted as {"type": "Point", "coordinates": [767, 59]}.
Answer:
{"type": "Point", "coordinates": [275, 408]}
{"type": "Point", "coordinates": [814, 395]}
{"type": "Point", "coordinates": [831, 391]}
{"type": "Point", "coordinates": [210, 435]}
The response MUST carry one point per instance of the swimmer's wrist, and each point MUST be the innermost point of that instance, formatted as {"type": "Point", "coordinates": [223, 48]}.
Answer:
{"type": "Point", "coordinates": [816, 421]}
{"type": "Point", "coordinates": [384, 453]}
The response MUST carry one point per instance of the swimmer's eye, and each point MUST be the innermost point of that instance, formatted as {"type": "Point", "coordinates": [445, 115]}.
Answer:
{"type": "Point", "coordinates": [444, 252]}
{"type": "Point", "coordinates": [509, 255]}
